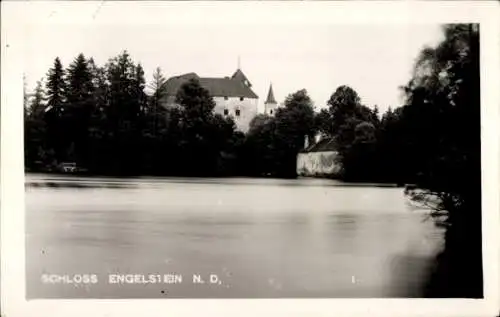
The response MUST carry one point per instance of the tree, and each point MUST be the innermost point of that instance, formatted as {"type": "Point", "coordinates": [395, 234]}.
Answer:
{"type": "Point", "coordinates": [258, 150]}
{"type": "Point", "coordinates": [376, 112]}
{"type": "Point", "coordinates": [38, 106]}
{"type": "Point", "coordinates": [124, 84]}
{"type": "Point", "coordinates": [292, 124]}
{"type": "Point", "coordinates": [364, 133]}
{"type": "Point", "coordinates": [25, 96]}
{"type": "Point", "coordinates": [343, 104]}
{"type": "Point", "coordinates": [296, 119]}
{"type": "Point", "coordinates": [56, 87]}
{"type": "Point", "coordinates": [98, 157]}
{"type": "Point", "coordinates": [440, 124]}
{"type": "Point", "coordinates": [80, 108]}
{"type": "Point", "coordinates": [139, 86]}
{"type": "Point", "coordinates": [195, 101]}
{"type": "Point", "coordinates": [257, 122]}
{"type": "Point", "coordinates": [444, 92]}
{"type": "Point", "coordinates": [346, 118]}
{"type": "Point", "coordinates": [197, 106]}
{"type": "Point", "coordinates": [156, 112]}
{"type": "Point", "coordinates": [80, 84]}
{"type": "Point", "coordinates": [323, 122]}
{"type": "Point", "coordinates": [36, 153]}
{"type": "Point", "coordinates": [125, 104]}
{"type": "Point", "coordinates": [359, 162]}
{"type": "Point", "coordinates": [99, 85]}
{"type": "Point", "coordinates": [158, 89]}
{"type": "Point", "coordinates": [203, 134]}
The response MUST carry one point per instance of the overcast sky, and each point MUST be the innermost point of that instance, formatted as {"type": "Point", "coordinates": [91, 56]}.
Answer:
{"type": "Point", "coordinates": [373, 59]}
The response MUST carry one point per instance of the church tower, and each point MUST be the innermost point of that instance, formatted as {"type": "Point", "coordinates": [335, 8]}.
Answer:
{"type": "Point", "coordinates": [270, 105]}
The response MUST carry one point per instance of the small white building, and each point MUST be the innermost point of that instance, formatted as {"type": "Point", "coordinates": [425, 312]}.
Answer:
{"type": "Point", "coordinates": [233, 95]}
{"type": "Point", "coordinates": [319, 159]}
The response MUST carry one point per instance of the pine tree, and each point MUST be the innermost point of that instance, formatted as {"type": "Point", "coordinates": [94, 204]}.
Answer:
{"type": "Point", "coordinates": [80, 100]}
{"type": "Point", "coordinates": [35, 128]}
{"type": "Point", "coordinates": [37, 105]}
{"type": "Point", "coordinates": [139, 86]}
{"type": "Point", "coordinates": [79, 83]}
{"type": "Point", "coordinates": [158, 88]}
{"type": "Point", "coordinates": [155, 109]}
{"type": "Point", "coordinates": [56, 87]}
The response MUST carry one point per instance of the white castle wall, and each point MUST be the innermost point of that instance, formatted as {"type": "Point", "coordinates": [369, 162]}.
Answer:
{"type": "Point", "coordinates": [247, 107]}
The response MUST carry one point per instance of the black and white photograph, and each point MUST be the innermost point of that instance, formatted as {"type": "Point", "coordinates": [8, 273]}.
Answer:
{"type": "Point", "coordinates": [239, 155]}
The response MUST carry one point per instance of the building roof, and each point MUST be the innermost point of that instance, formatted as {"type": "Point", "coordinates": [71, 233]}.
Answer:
{"type": "Point", "coordinates": [323, 145]}
{"type": "Point", "coordinates": [217, 87]}
{"type": "Point", "coordinates": [270, 95]}
{"type": "Point", "coordinates": [239, 76]}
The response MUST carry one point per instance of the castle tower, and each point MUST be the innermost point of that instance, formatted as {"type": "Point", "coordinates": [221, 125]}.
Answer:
{"type": "Point", "coordinates": [270, 104]}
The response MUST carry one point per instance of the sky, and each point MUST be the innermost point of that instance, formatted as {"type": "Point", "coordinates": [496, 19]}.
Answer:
{"type": "Point", "coordinates": [373, 59]}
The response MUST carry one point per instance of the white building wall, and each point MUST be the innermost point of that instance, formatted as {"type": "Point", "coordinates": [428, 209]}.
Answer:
{"type": "Point", "coordinates": [318, 164]}
{"type": "Point", "coordinates": [270, 108]}
{"type": "Point", "coordinates": [247, 107]}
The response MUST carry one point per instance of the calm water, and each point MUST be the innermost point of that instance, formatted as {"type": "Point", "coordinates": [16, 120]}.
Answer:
{"type": "Point", "coordinates": [262, 238]}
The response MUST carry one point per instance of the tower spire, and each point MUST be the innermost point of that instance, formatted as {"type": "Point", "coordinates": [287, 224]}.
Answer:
{"type": "Point", "coordinates": [270, 105]}
{"type": "Point", "coordinates": [270, 95]}
{"type": "Point", "coordinates": [239, 62]}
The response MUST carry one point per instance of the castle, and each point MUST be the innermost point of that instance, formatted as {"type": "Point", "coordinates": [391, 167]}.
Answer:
{"type": "Point", "coordinates": [233, 96]}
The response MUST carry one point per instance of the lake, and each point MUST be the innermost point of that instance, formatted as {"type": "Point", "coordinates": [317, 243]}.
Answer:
{"type": "Point", "coordinates": [223, 238]}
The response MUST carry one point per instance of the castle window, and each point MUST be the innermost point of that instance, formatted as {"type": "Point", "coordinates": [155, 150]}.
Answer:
{"type": "Point", "coordinates": [242, 98]}
{"type": "Point", "coordinates": [226, 98]}
{"type": "Point", "coordinates": [226, 112]}
{"type": "Point", "coordinates": [271, 112]}
{"type": "Point", "coordinates": [237, 112]}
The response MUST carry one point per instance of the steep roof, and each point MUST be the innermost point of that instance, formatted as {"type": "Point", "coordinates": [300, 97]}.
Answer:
{"type": "Point", "coordinates": [220, 87]}
{"type": "Point", "coordinates": [174, 83]}
{"type": "Point", "coordinates": [239, 76]}
{"type": "Point", "coordinates": [270, 95]}
{"type": "Point", "coordinates": [324, 145]}
{"type": "Point", "coordinates": [217, 87]}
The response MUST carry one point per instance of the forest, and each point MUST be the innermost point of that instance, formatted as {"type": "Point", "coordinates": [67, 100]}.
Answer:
{"type": "Point", "coordinates": [102, 118]}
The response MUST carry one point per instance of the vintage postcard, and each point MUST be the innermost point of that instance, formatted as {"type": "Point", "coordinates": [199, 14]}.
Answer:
{"type": "Point", "coordinates": [228, 158]}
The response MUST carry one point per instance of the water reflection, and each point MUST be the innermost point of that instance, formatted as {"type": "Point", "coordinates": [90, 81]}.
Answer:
{"type": "Point", "coordinates": [264, 238]}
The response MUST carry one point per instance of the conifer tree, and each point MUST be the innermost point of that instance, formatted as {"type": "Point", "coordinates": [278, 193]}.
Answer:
{"type": "Point", "coordinates": [80, 102]}
{"type": "Point", "coordinates": [158, 89]}
{"type": "Point", "coordinates": [79, 84]}
{"type": "Point", "coordinates": [37, 105]}
{"type": "Point", "coordinates": [139, 83]}
{"type": "Point", "coordinates": [155, 112]}
{"type": "Point", "coordinates": [35, 127]}
{"type": "Point", "coordinates": [56, 88]}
